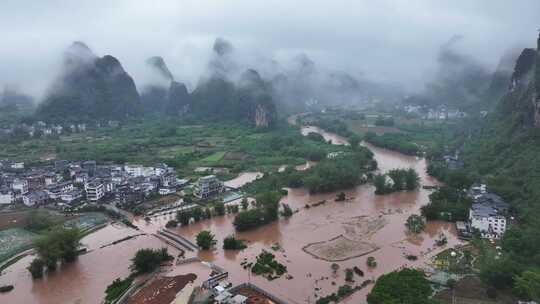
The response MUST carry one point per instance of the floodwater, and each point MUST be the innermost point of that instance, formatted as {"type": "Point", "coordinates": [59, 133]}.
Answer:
{"type": "Point", "coordinates": [325, 222]}
{"type": "Point", "coordinates": [242, 179]}
{"type": "Point", "coordinates": [86, 280]}
{"type": "Point", "coordinates": [329, 137]}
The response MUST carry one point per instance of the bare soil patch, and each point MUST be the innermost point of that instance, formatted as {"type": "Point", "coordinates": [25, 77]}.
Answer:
{"type": "Point", "coordinates": [162, 290]}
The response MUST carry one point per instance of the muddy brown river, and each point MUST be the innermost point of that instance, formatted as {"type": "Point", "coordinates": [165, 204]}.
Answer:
{"type": "Point", "coordinates": [312, 277]}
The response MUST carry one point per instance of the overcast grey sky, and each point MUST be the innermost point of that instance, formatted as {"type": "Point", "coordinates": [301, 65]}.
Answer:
{"type": "Point", "coordinates": [390, 40]}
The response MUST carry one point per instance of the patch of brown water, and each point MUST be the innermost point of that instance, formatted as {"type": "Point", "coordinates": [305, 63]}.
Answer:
{"type": "Point", "coordinates": [85, 280]}
{"type": "Point", "coordinates": [324, 222]}
{"type": "Point", "coordinates": [242, 179]}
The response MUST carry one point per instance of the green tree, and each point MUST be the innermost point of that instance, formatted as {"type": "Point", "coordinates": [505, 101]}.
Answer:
{"type": "Point", "coordinates": [231, 243]}
{"type": "Point", "coordinates": [407, 286]}
{"type": "Point", "coordinates": [379, 181]}
{"type": "Point", "coordinates": [58, 244]}
{"type": "Point", "coordinates": [411, 179]}
{"type": "Point", "coordinates": [415, 223]}
{"type": "Point", "coordinates": [36, 268]}
{"type": "Point", "coordinates": [371, 262]}
{"type": "Point", "coordinates": [197, 214]}
{"type": "Point", "coordinates": [183, 217]}
{"type": "Point", "coordinates": [287, 211]}
{"type": "Point", "coordinates": [147, 260]}
{"type": "Point", "coordinates": [220, 208]}
{"type": "Point", "coordinates": [245, 204]}
{"type": "Point", "coordinates": [205, 239]}
{"type": "Point", "coordinates": [354, 140]}
{"type": "Point", "coordinates": [528, 284]}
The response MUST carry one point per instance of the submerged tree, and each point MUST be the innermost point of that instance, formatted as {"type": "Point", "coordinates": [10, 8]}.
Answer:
{"type": "Point", "coordinates": [205, 240]}
{"type": "Point", "coordinates": [36, 268]}
{"type": "Point", "coordinates": [415, 223]}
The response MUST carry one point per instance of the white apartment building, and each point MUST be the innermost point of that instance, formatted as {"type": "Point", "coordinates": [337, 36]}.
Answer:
{"type": "Point", "coordinates": [94, 191]}
{"type": "Point", "coordinates": [6, 197]}
{"type": "Point", "coordinates": [208, 186]}
{"type": "Point", "coordinates": [21, 185]}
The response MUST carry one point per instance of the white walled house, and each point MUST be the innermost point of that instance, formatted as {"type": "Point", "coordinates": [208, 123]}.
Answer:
{"type": "Point", "coordinates": [56, 190]}
{"type": "Point", "coordinates": [21, 185]}
{"type": "Point", "coordinates": [6, 197]}
{"type": "Point", "coordinates": [35, 198]}
{"type": "Point", "coordinates": [70, 196]}
{"type": "Point", "coordinates": [94, 191]}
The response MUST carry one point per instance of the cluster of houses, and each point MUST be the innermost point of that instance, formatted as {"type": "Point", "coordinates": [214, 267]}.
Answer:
{"type": "Point", "coordinates": [41, 128]}
{"type": "Point", "coordinates": [489, 214]}
{"type": "Point", "coordinates": [68, 183]}
{"type": "Point", "coordinates": [441, 112]}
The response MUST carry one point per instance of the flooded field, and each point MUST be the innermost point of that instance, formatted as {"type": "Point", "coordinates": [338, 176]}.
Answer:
{"type": "Point", "coordinates": [345, 233]}
{"type": "Point", "coordinates": [242, 179]}
{"type": "Point", "coordinates": [373, 224]}
{"type": "Point", "coordinates": [85, 280]}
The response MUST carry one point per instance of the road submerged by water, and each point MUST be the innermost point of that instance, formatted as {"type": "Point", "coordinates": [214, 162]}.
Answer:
{"type": "Point", "coordinates": [308, 276]}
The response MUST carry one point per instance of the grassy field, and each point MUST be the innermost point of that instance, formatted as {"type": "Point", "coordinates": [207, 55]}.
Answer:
{"type": "Point", "coordinates": [213, 158]}
{"type": "Point", "coordinates": [13, 241]}
{"type": "Point", "coordinates": [171, 141]}
{"type": "Point", "coordinates": [87, 220]}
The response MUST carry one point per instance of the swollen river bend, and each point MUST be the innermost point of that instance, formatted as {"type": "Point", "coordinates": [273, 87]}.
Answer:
{"type": "Point", "coordinates": [85, 280]}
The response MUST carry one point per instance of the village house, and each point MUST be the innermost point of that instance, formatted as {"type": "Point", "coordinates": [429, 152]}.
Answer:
{"type": "Point", "coordinates": [207, 187]}
{"type": "Point", "coordinates": [35, 198]}
{"type": "Point", "coordinates": [6, 196]}
{"type": "Point", "coordinates": [56, 190]}
{"type": "Point", "coordinates": [488, 215]}
{"type": "Point", "coordinates": [71, 196]}
{"type": "Point", "coordinates": [20, 185]}
{"type": "Point", "coordinates": [94, 190]}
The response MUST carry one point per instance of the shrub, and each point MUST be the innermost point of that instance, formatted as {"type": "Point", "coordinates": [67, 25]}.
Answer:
{"type": "Point", "coordinates": [231, 243]}
{"type": "Point", "coordinates": [36, 268]}
{"type": "Point", "coordinates": [205, 240]}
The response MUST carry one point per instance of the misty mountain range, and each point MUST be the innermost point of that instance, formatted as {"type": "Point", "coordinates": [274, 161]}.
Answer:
{"type": "Point", "coordinates": [91, 88]}
{"type": "Point", "coordinates": [462, 82]}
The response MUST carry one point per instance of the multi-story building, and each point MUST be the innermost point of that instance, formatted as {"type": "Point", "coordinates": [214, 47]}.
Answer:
{"type": "Point", "coordinates": [6, 196]}
{"type": "Point", "coordinates": [71, 196]}
{"type": "Point", "coordinates": [168, 180]}
{"type": "Point", "coordinates": [34, 198]}
{"type": "Point", "coordinates": [94, 190]}
{"type": "Point", "coordinates": [20, 185]}
{"type": "Point", "coordinates": [56, 190]}
{"type": "Point", "coordinates": [207, 187]}
{"type": "Point", "coordinates": [488, 214]}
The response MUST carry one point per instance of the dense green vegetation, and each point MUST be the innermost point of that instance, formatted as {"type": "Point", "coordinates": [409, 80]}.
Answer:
{"type": "Point", "coordinates": [400, 179]}
{"type": "Point", "coordinates": [36, 268]}
{"type": "Point", "coordinates": [346, 170]}
{"type": "Point", "coordinates": [447, 203]}
{"type": "Point", "coordinates": [59, 244]}
{"type": "Point", "coordinates": [183, 143]}
{"type": "Point", "coordinates": [407, 286]}
{"type": "Point", "coordinates": [147, 260]}
{"type": "Point", "coordinates": [266, 211]}
{"type": "Point", "coordinates": [117, 288]}
{"type": "Point", "coordinates": [267, 266]}
{"type": "Point", "coordinates": [415, 223]}
{"type": "Point", "coordinates": [394, 141]}
{"type": "Point", "coordinates": [205, 240]}
{"type": "Point", "coordinates": [232, 243]}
